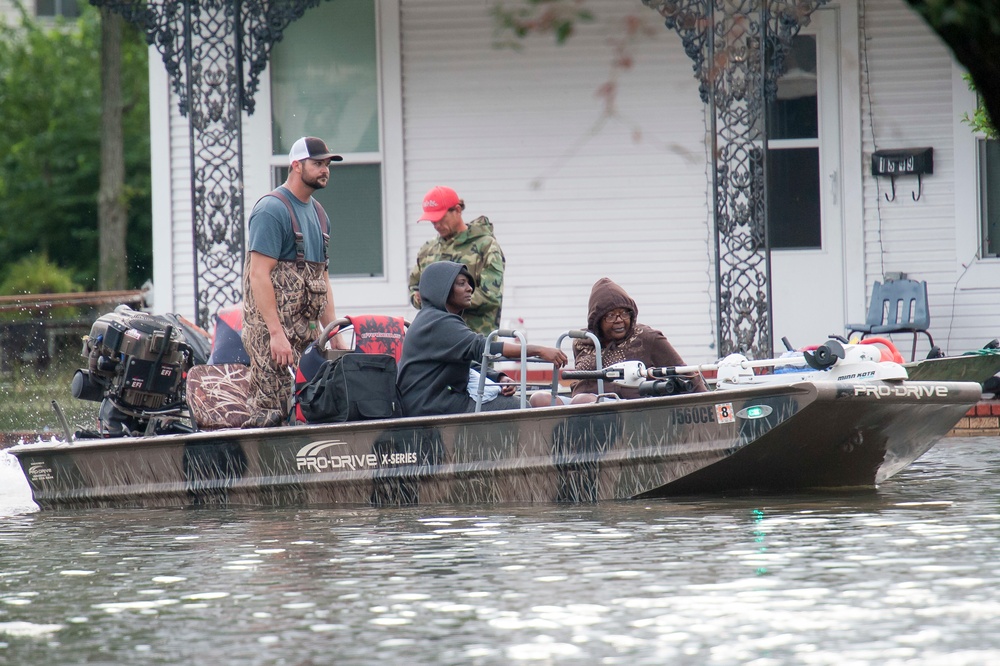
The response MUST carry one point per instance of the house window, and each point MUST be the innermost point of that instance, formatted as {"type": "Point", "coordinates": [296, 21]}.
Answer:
{"type": "Point", "coordinates": [324, 82]}
{"type": "Point", "coordinates": [67, 8]}
{"type": "Point", "coordinates": [353, 200]}
{"type": "Point", "coordinates": [989, 196]}
{"type": "Point", "coordinates": [793, 195]}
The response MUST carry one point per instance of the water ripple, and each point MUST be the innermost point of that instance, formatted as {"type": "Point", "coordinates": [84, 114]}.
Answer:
{"type": "Point", "coordinates": [904, 575]}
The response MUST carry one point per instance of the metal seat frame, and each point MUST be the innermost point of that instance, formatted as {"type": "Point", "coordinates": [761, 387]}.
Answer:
{"type": "Point", "coordinates": [488, 360]}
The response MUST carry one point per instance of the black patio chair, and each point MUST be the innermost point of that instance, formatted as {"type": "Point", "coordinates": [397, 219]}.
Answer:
{"type": "Point", "coordinates": [898, 306]}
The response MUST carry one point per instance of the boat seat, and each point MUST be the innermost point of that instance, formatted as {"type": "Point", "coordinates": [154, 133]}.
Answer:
{"type": "Point", "coordinates": [897, 306]}
{"type": "Point", "coordinates": [378, 334]}
{"type": "Point", "coordinates": [372, 334]}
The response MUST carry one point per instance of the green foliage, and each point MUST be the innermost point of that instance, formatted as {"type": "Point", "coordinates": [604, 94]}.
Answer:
{"type": "Point", "coordinates": [35, 274]}
{"type": "Point", "coordinates": [971, 16]}
{"type": "Point", "coordinates": [980, 120]}
{"type": "Point", "coordinates": [558, 17]}
{"type": "Point", "coordinates": [50, 102]}
{"type": "Point", "coordinates": [971, 29]}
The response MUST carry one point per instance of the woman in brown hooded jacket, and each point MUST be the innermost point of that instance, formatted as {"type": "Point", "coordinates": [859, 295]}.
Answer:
{"type": "Point", "coordinates": [611, 316]}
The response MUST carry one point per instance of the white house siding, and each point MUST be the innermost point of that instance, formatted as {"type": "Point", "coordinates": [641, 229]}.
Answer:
{"type": "Point", "coordinates": [173, 262]}
{"type": "Point", "coordinates": [573, 196]}
{"type": "Point", "coordinates": [907, 101]}
{"type": "Point", "coordinates": [520, 136]}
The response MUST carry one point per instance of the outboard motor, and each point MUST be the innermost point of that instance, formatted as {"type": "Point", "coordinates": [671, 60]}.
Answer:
{"type": "Point", "coordinates": [136, 367]}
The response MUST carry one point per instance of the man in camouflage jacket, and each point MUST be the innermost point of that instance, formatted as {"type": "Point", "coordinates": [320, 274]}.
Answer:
{"type": "Point", "coordinates": [472, 244]}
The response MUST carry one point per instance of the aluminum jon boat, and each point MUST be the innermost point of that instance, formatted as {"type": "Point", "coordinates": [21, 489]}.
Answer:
{"type": "Point", "coordinates": [784, 436]}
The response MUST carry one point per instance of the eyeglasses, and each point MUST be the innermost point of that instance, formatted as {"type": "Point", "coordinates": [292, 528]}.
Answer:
{"type": "Point", "coordinates": [624, 315]}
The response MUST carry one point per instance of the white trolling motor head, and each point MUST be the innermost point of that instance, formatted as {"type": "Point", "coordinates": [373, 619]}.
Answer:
{"type": "Point", "coordinates": [734, 370]}
{"type": "Point", "coordinates": [832, 361]}
{"type": "Point", "coordinates": [627, 373]}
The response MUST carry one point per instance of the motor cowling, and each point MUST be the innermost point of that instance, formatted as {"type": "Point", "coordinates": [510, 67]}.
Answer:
{"type": "Point", "coordinates": [134, 359]}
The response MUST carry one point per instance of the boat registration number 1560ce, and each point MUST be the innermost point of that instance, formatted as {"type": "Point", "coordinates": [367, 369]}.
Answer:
{"type": "Point", "coordinates": [722, 413]}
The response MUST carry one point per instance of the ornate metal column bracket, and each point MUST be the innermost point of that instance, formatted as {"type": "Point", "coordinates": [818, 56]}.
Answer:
{"type": "Point", "coordinates": [738, 48]}
{"type": "Point", "coordinates": [214, 52]}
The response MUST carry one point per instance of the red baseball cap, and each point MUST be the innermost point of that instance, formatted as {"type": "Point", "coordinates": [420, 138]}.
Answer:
{"type": "Point", "coordinates": [437, 202]}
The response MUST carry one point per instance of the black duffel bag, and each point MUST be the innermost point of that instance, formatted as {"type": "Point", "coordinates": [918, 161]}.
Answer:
{"type": "Point", "coordinates": [354, 387]}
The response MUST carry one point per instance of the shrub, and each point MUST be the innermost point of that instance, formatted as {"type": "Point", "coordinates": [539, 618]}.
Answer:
{"type": "Point", "coordinates": [34, 275]}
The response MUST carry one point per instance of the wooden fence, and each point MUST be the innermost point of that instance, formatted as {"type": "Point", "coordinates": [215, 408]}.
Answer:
{"type": "Point", "coordinates": [34, 341]}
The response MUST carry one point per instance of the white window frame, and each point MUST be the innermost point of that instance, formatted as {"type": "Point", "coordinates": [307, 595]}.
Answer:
{"type": "Point", "coordinates": [388, 291]}
{"type": "Point", "coordinates": [976, 272]}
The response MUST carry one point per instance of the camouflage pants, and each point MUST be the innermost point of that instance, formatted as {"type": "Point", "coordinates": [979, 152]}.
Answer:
{"type": "Point", "coordinates": [300, 296]}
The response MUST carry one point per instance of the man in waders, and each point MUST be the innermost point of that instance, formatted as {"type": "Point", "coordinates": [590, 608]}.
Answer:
{"type": "Point", "coordinates": [287, 297]}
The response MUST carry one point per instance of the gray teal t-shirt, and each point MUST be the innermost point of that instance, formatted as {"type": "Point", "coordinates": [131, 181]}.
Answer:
{"type": "Point", "coordinates": [271, 231]}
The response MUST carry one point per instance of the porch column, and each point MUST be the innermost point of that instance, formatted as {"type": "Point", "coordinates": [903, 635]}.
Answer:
{"type": "Point", "coordinates": [739, 48]}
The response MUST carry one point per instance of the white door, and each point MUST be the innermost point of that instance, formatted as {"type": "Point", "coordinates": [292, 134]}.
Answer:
{"type": "Point", "coordinates": [805, 223]}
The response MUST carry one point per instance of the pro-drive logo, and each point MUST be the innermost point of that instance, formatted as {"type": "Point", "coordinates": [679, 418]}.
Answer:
{"type": "Point", "coordinates": [327, 454]}
{"type": "Point", "coordinates": [913, 391]}
{"type": "Point", "coordinates": [40, 471]}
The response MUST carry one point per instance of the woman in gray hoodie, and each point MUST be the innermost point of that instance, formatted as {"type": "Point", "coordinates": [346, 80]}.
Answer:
{"type": "Point", "coordinates": [439, 349]}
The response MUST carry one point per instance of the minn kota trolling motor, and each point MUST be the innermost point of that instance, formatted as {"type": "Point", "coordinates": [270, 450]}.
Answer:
{"type": "Point", "coordinates": [832, 361]}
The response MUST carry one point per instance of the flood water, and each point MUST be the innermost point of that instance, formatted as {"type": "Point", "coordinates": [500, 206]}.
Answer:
{"type": "Point", "coordinates": [907, 574]}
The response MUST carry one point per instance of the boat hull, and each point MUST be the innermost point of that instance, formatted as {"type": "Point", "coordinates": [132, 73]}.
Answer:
{"type": "Point", "coordinates": [976, 367]}
{"type": "Point", "coordinates": [797, 436]}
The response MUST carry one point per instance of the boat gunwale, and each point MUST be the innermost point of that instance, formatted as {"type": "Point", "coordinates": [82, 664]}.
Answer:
{"type": "Point", "coordinates": [824, 391]}
{"type": "Point", "coordinates": [405, 421]}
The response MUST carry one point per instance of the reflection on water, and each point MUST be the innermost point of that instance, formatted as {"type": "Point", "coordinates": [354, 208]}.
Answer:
{"type": "Point", "coordinates": [904, 575]}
